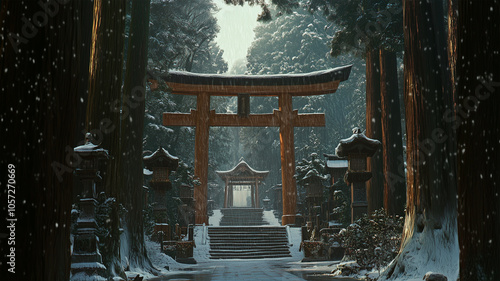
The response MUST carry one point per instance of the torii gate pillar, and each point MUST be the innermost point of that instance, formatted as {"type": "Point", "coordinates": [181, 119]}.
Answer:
{"type": "Point", "coordinates": [287, 159]}
{"type": "Point", "coordinates": [201, 158]}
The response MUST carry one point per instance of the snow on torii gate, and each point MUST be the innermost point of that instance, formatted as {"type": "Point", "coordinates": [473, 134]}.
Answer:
{"type": "Point", "coordinates": [283, 86]}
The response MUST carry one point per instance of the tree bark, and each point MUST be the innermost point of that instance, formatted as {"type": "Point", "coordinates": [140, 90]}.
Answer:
{"type": "Point", "coordinates": [38, 112]}
{"type": "Point", "coordinates": [478, 132]}
{"type": "Point", "coordinates": [430, 226]}
{"type": "Point", "coordinates": [392, 146]}
{"type": "Point", "coordinates": [104, 105]}
{"type": "Point", "coordinates": [131, 179]}
{"type": "Point", "coordinates": [452, 45]}
{"type": "Point", "coordinates": [375, 186]}
{"type": "Point", "coordinates": [85, 33]}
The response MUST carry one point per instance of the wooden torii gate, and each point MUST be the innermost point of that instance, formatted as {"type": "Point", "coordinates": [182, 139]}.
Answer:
{"type": "Point", "coordinates": [283, 86]}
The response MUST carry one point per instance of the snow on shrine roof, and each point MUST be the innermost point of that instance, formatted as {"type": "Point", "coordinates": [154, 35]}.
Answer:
{"type": "Point", "coordinates": [242, 167]}
{"type": "Point", "coordinates": [159, 158]}
{"type": "Point", "coordinates": [313, 83]}
{"type": "Point", "coordinates": [357, 143]}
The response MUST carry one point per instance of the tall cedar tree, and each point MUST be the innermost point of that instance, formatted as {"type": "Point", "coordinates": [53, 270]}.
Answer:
{"type": "Point", "coordinates": [478, 132]}
{"type": "Point", "coordinates": [431, 215]}
{"type": "Point", "coordinates": [374, 187]}
{"type": "Point", "coordinates": [373, 29]}
{"type": "Point", "coordinates": [395, 185]}
{"type": "Point", "coordinates": [104, 105]}
{"type": "Point", "coordinates": [38, 82]}
{"type": "Point", "coordinates": [132, 128]}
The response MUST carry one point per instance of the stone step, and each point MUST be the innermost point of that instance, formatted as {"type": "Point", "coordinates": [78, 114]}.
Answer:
{"type": "Point", "coordinates": [245, 233]}
{"type": "Point", "coordinates": [247, 252]}
{"type": "Point", "coordinates": [263, 256]}
{"type": "Point", "coordinates": [248, 255]}
{"type": "Point", "coordinates": [249, 247]}
{"type": "Point", "coordinates": [248, 242]}
{"type": "Point", "coordinates": [238, 223]}
{"type": "Point", "coordinates": [242, 216]}
{"type": "Point", "coordinates": [256, 236]}
{"type": "Point", "coordinates": [247, 228]}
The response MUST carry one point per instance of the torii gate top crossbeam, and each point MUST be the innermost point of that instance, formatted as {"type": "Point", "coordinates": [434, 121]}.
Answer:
{"type": "Point", "coordinates": [313, 83]}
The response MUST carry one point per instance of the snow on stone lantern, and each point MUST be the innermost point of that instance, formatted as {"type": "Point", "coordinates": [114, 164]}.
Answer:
{"type": "Point", "coordinates": [357, 148]}
{"type": "Point", "coordinates": [266, 202]}
{"type": "Point", "coordinates": [86, 258]}
{"type": "Point", "coordinates": [161, 163]}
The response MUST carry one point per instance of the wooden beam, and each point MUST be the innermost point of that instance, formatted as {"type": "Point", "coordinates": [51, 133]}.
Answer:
{"type": "Point", "coordinates": [180, 119]}
{"type": "Point", "coordinates": [253, 120]}
{"type": "Point", "coordinates": [270, 91]}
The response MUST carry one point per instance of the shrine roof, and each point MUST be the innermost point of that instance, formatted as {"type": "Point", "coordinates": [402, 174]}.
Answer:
{"type": "Point", "coordinates": [161, 158]}
{"type": "Point", "coordinates": [313, 83]}
{"type": "Point", "coordinates": [242, 168]}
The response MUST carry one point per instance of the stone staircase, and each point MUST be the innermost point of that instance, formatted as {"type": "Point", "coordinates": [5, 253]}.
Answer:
{"type": "Point", "coordinates": [242, 216]}
{"type": "Point", "coordinates": [248, 242]}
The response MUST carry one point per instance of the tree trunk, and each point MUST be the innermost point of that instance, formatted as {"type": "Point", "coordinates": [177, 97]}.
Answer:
{"type": "Point", "coordinates": [85, 32]}
{"type": "Point", "coordinates": [38, 113]}
{"type": "Point", "coordinates": [478, 132]}
{"type": "Point", "coordinates": [452, 45]}
{"type": "Point", "coordinates": [392, 145]}
{"type": "Point", "coordinates": [104, 104]}
{"type": "Point", "coordinates": [131, 179]}
{"type": "Point", "coordinates": [429, 235]}
{"type": "Point", "coordinates": [375, 186]}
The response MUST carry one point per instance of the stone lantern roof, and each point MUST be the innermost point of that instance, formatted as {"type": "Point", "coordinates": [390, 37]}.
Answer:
{"type": "Point", "coordinates": [161, 158]}
{"type": "Point", "coordinates": [358, 143]}
{"type": "Point", "coordinates": [90, 150]}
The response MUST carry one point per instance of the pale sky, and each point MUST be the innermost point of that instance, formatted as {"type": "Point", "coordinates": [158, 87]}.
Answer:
{"type": "Point", "coordinates": [236, 30]}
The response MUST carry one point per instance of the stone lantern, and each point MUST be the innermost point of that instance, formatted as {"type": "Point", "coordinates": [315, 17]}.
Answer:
{"type": "Point", "coordinates": [278, 200]}
{"type": "Point", "coordinates": [86, 258]}
{"type": "Point", "coordinates": [266, 202]}
{"type": "Point", "coordinates": [314, 197]}
{"type": "Point", "coordinates": [161, 163]}
{"type": "Point", "coordinates": [357, 148]}
{"type": "Point", "coordinates": [335, 166]}
{"type": "Point", "coordinates": [186, 209]}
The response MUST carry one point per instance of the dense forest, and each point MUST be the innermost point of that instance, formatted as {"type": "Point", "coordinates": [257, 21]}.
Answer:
{"type": "Point", "coordinates": [423, 82]}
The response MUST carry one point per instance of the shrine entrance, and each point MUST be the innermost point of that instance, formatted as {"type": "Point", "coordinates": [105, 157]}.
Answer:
{"type": "Point", "coordinates": [244, 86]}
{"type": "Point", "coordinates": [242, 179]}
